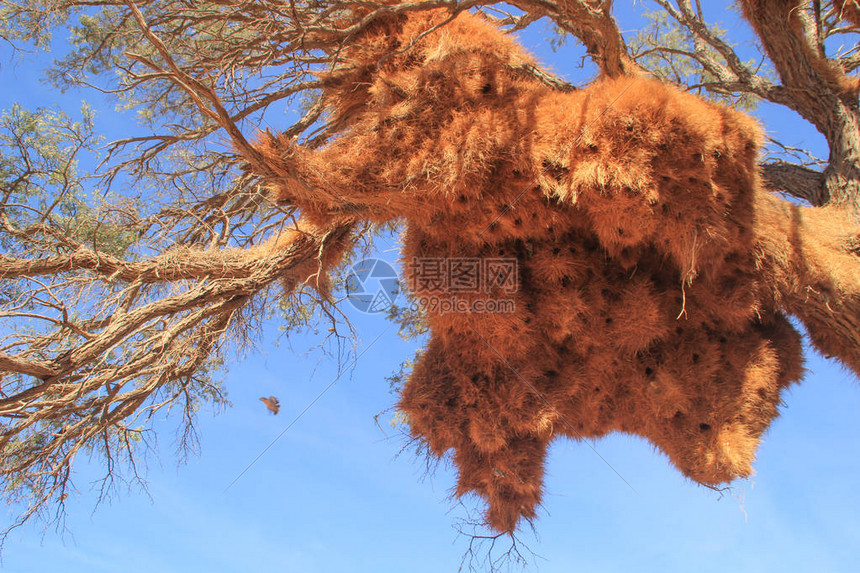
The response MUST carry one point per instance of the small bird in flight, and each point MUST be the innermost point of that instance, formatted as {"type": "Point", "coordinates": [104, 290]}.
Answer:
{"type": "Point", "coordinates": [272, 404]}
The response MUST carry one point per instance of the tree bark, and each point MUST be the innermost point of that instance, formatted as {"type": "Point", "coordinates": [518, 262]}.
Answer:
{"type": "Point", "coordinates": [818, 89]}
{"type": "Point", "coordinates": [795, 180]}
{"type": "Point", "coordinates": [842, 175]}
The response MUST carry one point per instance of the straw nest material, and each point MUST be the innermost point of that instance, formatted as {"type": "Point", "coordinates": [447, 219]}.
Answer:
{"type": "Point", "coordinates": [655, 275]}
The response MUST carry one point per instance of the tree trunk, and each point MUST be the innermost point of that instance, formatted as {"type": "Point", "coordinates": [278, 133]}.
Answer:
{"type": "Point", "coordinates": [842, 175]}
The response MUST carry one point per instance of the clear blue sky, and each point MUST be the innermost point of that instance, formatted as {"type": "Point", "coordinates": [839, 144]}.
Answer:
{"type": "Point", "coordinates": [332, 495]}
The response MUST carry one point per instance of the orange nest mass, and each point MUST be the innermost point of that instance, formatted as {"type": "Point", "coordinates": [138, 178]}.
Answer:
{"type": "Point", "coordinates": [653, 274]}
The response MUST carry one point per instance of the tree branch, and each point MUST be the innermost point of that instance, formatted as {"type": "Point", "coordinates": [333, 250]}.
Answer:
{"type": "Point", "coordinates": [796, 180]}
{"type": "Point", "coordinates": [591, 21]}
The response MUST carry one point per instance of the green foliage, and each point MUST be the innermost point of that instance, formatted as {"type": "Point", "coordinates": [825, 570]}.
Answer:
{"type": "Point", "coordinates": [396, 381]}
{"type": "Point", "coordinates": [43, 188]}
{"type": "Point", "coordinates": [32, 21]}
{"type": "Point", "coordinates": [410, 318]}
{"type": "Point", "coordinates": [668, 50]}
{"type": "Point", "coordinates": [40, 150]}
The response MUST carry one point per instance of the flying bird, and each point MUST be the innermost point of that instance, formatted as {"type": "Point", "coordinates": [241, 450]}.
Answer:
{"type": "Point", "coordinates": [272, 404]}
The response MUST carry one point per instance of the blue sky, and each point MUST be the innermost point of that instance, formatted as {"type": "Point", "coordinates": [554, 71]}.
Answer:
{"type": "Point", "coordinates": [332, 494]}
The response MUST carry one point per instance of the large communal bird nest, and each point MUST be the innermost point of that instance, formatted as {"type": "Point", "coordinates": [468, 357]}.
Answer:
{"type": "Point", "coordinates": [654, 272]}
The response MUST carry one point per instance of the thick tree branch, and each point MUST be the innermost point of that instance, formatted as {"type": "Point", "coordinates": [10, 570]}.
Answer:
{"type": "Point", "coordinates": [175, 265]}
{"type": "Point", "coordinates": [788, 36]}
{"type": "Point", "coordinates": [819, 88]}
{"type": "Point", "coordinates": [797, 181]}
{"type": "Point", "coordinates": [38, 369]}
{"type": "Point", "coordinates": [590, 21]}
